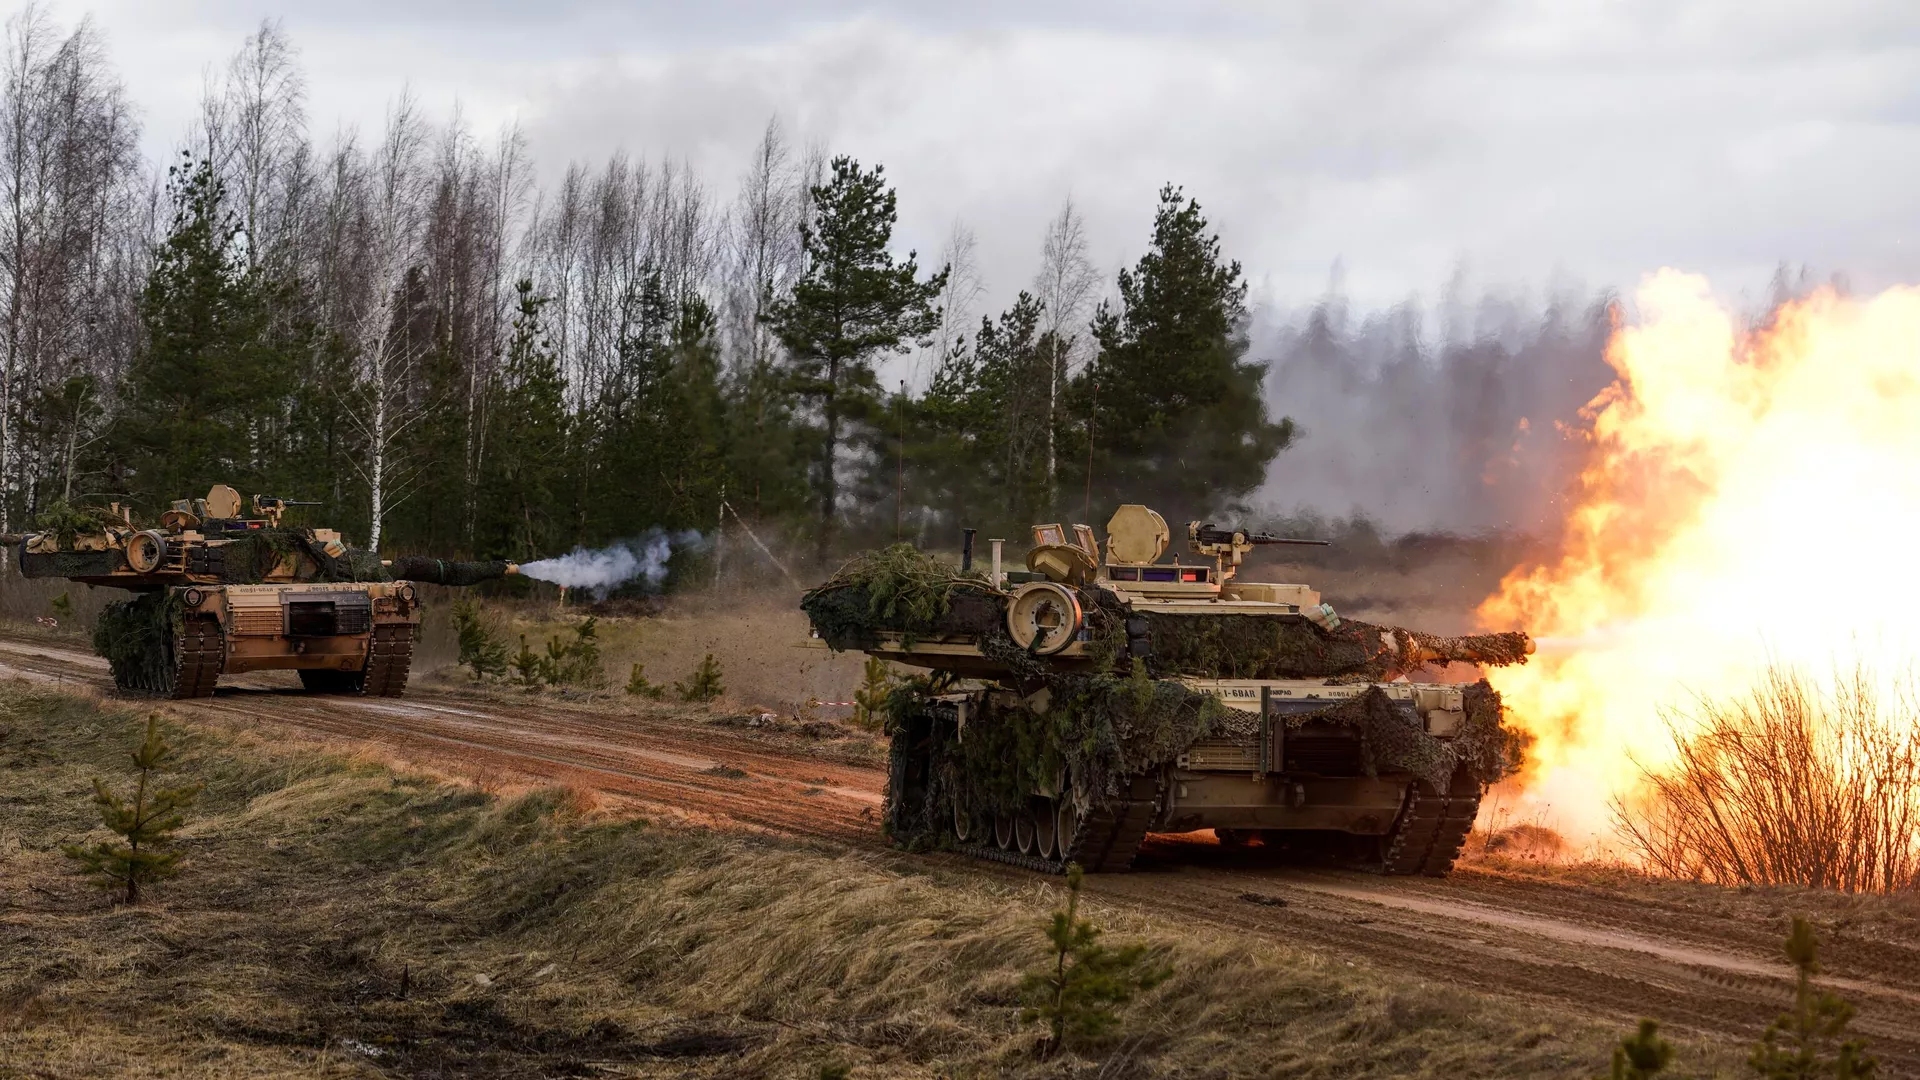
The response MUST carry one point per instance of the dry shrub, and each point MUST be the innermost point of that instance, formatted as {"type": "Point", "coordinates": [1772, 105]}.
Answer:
{"type": "Point", "coordinates": [1789, 784]}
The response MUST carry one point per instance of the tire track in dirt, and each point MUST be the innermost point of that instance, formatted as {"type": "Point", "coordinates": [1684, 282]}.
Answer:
{"type": "Point", "coordinates": [1599, 952]}
{"type": "Point", "coordinates": [1453, 932]}
{"type": "Point", "coordinates": [708, 776]}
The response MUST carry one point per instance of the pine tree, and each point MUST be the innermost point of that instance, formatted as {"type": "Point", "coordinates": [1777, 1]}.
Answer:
{"type": "Point", "coordinates": [1642, 1054]}
{"type": "Point", "coordinates": [576, 661]}
{"type": "Point", "coordinates": [979, 433]}
{"type": "Point", "coordinates": [870, 701]}
{"type": "Point", "coordinates": [202, 395]}
{"type": "Point", "coordinates": [1076, 996]}
{"type": "Point", "coordinates": [526, 486]}
{"type": "Point", "coordinates": [146, 824]}
{"type": "Point", "coordinates": [480, 650]}
{"type": "Point", "coordinates": [659, 444]}
{"type": "Point", "coordinates": [1811, 1041]}
{"type": "Point", "coordinates": [852, 304]}
{"type": "Point", "coordinates": [639, 685]}
{"type": "Point", "coordinates": [704, 684]}
{"type": "Point", "coordinates": [1177, 415]}
{"type": "Point", "coordinates": [530, 669]}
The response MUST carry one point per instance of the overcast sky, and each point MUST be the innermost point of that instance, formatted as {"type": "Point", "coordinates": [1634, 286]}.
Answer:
{"type": "Point", "coordinates": [1528, 142]}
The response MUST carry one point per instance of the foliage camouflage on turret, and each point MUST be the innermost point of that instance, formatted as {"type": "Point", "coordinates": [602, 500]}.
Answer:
{"type": "Point", "coordinates": [903, 590]}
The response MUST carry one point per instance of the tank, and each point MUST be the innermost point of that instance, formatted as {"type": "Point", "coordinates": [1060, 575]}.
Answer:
{"type": "Point", "coordinates": [221, 591]}
{"type": "Point", "coordinates": [1102, 693]}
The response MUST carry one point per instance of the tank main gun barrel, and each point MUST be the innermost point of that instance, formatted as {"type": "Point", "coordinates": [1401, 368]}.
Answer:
{"type": "Point", "coordinates": [432, 571]}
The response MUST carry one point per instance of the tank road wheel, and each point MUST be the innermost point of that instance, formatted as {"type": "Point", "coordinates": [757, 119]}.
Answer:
{"type": "Point", "coordinates": [326, 681]}
{"type": "Point", "coordinates": [1023, 831]}
{"type": "Point", "coordinates": [1045, 828]}
{"type": "Point", "coordinates": [1066, 823]}
{"type": "Point", "coordinates": [962, 823]}
{"type": "Point", "coordinates": [1003, 831]}
{"type": "Point", "coordinates": [389, 656]}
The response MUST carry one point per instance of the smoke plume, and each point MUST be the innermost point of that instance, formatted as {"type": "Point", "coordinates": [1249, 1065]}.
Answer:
{"type": "Point", "coordinates": [1455, 422]}
{"type": "Point", "coordinates": [642, 559]}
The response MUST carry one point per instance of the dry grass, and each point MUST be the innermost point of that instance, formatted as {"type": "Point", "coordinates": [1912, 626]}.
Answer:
{"type": "Point", "coordinates": [1791, 784]}
{"type": "Point", "coordinates": [335, 918]}
{"type": "Point", "coordinates": [760, 640]}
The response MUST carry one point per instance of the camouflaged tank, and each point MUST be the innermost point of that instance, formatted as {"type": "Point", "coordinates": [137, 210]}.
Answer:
{"type": "Point", "coordinates": [1104, 693]}
{"type": "Point", "coordinates": [219, 592]}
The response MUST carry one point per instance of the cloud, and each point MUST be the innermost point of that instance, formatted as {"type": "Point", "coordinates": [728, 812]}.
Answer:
{"type": "Point", "coordinates": [1402, 140]}
{"type": "Point", "coordinates": [1400, 137]}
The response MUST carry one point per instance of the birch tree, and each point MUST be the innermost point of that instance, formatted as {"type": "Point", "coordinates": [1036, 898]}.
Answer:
{"type": "Point", "coordinates": [265, 114]}
{"type": "Point", "coordinates": [958, 300]}
{"type": "Point", "coordinates": [66, 165]}
{"type": "Point", "coordinates": [1064, 288]}
{"type": "Point", "coordinates": [385, 413]}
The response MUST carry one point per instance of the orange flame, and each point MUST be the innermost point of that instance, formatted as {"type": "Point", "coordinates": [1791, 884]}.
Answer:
{"type": "Point", "coordinates": [1751, 496]}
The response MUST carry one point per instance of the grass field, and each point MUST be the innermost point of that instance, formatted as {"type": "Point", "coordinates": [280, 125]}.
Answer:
{"type": "Point", "coordinates": [336, 918]}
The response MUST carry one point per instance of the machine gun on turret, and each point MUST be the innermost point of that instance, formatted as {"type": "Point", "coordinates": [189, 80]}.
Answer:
{"type": "Point", "coordinates": [272, 507]}
{"type": "Point", "coordinates": [1230, 546]}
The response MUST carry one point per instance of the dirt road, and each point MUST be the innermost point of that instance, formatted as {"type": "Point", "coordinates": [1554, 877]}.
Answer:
{"type": "Point", "coordinates": [1700, 959]}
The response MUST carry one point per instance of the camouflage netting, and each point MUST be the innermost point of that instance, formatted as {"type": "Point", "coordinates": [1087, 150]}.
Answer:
{"type": "Point", "coordinates": [136, 636]}
{"type": "Point", "coordinates": [66, 564]}
{"type": "Point", "coordinates": [1256, 647]}
{"type": "Point", "coordinates": [1095, 730]}
{"type": "Point", "coordinates": [1394, 742]}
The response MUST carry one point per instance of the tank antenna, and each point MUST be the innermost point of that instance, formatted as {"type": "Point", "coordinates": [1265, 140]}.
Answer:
{"type": "Point", "coordinates": [1092, 408]}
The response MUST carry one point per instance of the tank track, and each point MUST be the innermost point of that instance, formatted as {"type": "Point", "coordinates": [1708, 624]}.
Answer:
{"type": "Point", "coordinates": [1105, 843]}
{"type": "Point", "coordinates": [199, 652]}
{"type": "Point", "coordinates": [1431, 830]}
{"type": "Point", "coordinates": [389, 658]}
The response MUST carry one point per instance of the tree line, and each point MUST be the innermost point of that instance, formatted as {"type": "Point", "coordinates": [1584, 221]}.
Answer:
{"type": "Point", "coordinates": [453, 359]}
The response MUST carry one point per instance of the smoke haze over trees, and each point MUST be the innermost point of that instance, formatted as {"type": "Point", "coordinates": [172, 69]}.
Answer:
{"type": "Point", "coordinates": [454, 359]}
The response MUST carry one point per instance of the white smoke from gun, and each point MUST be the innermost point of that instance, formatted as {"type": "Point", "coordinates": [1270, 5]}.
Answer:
{"type": "Point", "coordinates": [601, 570]}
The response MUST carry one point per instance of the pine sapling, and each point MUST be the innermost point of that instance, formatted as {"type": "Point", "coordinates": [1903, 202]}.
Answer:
{"type": "Point", "coordinates": [1642, 1054]}
{"type": "Point", "coordinates": [480, 649]}
{"type": "Point", "coordinates": [870, 701]}
{"type": "Point", "coordinates": [62, 607]}
{"type": "Point", "coordinates": [577, 662]}
{"type": "Point", "coordinates": [705, 684]}
{"type": "Point", "coordinates": [530, 669]}
{"type": "Point", "coordinates": [640, 686]}
{"type": "Point", "coordinates": [146, 824]}
{"type": "Point", "coordinates": [1811, 1040]}
{"type": "Point", "coordinates": [1077, 995]}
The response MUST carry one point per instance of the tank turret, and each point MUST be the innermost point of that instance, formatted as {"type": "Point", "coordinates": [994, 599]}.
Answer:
{"type": "Point", "coordinates": [223, 591]}
{"type": "Point", "coordinates": [1103, 691]}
